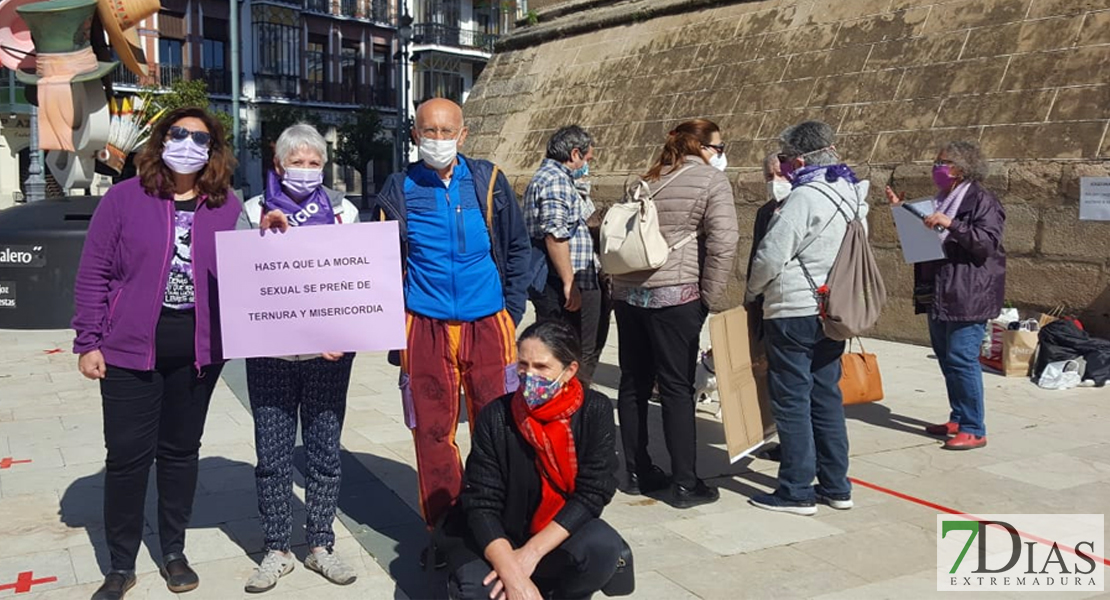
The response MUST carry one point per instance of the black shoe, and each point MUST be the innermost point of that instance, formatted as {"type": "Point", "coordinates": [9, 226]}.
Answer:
{"type": "Point", "coordinates": [684, 497]}
{"type": "Point", "coordinates": [440, 559]}
{"type": "Point", "coordinates": [645, 482]}
{"type": "Point", "coordinates": [179, 576]}
{"type": "Point", "coordinates": [116, 584]}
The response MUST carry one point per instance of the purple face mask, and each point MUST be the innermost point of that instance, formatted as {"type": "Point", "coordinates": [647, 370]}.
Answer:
{"type": "Point", "coordinates": [299, 183]}
{"type": "Point", "coordinates": [786, 167]}
{"type": "Point", "coordinates": [184, 156]}
{"type": "Point", "coordinates": [942, 177]}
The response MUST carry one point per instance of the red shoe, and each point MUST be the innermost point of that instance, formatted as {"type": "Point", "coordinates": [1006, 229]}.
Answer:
{"type": "Point", "coordinates": [965, 441]}
{"type": "Point", "coordinates": [949, 428]}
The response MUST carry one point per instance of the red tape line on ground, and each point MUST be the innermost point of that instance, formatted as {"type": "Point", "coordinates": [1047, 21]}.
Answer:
{"type": "Point", "coordinates": [952, 511]}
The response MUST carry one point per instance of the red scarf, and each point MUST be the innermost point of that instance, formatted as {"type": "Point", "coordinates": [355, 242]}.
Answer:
{"type": "Point", "coordinates": [547, 429]}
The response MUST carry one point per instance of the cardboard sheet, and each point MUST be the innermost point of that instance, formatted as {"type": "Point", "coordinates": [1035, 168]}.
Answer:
{"type": "Point", "coordinates": [741, 366]}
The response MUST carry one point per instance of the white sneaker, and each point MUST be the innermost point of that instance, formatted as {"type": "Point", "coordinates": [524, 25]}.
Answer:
{"type": "Point", "coordinates": [839, 504]}
{"type": "Point", "coordinates": [274, 566]}
{"type": "Point", "coordinates": [331, 567]}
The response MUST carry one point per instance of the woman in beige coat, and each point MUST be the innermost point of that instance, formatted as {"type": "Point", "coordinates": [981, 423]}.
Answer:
{"type": "Point", "coordinates": [660, 312]}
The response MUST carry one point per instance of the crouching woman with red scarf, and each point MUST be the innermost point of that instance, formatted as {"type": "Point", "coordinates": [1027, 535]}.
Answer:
{"type": "Point", "coordinates": [542, 466]}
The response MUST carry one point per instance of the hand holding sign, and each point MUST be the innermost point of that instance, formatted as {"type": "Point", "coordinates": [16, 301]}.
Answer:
{"type": "Point", "coordinates": [275, 220]}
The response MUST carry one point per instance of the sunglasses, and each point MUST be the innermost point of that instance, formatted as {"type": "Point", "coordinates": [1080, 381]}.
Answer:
{"type": "Point", "coordinates": [720, 148]}
{"type": "Point", "coordinates": [202, 138]}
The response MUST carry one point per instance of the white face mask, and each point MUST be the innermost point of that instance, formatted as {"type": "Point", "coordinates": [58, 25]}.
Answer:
{"type": "Point", "coordinates": [778, 189]}
{"type": "Point", "coordinates": [718, 161]}
{"type": "Point", "coordinates": [438, 154]}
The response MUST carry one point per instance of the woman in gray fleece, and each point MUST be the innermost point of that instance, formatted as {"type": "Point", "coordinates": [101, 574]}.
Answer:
{"type": "Point", "coordinates": [792, 261]}
{"type": "Point", "coordinates": [660, 312]}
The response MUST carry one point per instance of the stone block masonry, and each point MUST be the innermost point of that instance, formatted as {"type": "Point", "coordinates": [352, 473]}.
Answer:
{"type": "Point", "coordinates": [1028, 79]}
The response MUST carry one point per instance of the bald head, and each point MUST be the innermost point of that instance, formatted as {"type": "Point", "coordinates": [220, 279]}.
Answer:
{"type": "Point", "coordinates": [441, 115]}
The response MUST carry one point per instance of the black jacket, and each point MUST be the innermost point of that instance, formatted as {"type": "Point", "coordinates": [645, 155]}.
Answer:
{"type": "Point", "coordinates": [969, 285]}
{"type": "Point", "coordinates": [502, 489]}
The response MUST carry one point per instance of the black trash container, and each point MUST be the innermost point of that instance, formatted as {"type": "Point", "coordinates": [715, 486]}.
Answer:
{"type": "Point", "coordinates": [40, 248]}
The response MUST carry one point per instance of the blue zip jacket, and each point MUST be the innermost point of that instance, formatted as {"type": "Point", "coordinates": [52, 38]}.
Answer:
{"type": "Point", "coordinates": [443, 279]}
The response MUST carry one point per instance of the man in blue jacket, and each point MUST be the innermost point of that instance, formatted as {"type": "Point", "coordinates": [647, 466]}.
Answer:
{"type": "Point", "coordinates": [467, 257]}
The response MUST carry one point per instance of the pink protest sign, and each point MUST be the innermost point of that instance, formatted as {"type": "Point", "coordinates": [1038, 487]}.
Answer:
{"type": "Point", "coordinates": [326, 288]}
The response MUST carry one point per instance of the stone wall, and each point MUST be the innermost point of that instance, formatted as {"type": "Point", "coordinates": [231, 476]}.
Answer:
{"type": "Point", "coordinates": [1026, 78]}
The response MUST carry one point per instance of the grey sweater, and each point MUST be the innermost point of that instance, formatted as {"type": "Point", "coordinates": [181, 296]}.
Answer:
{"type": "Point", "coordinates": [809, 227]}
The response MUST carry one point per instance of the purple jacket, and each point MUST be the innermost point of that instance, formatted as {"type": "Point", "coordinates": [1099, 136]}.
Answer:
{"type": "Point", "coordinates": [121, 282]}
{"type": "Point", "coordinates": [970, 285]}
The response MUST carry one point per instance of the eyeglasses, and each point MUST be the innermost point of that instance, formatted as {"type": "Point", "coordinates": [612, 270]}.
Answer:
{"type": "Point", "coordinates": [941, 163]}
{"type": "Point", "coordinates": [720, 148]}
{"type": "Point", "coordinates": [202, 138]}
{"type": "Point", "coordinates": [442, 133]}
{"type": "Point", "coordinates": [785, 157]}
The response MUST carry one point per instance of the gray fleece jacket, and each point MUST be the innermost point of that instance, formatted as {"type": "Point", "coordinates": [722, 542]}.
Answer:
{"type": "Point", "coordinates": [810, 228]}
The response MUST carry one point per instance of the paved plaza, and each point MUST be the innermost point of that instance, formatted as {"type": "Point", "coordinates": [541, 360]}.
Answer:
{"type": "Point", "coordinates": [1049, 452]}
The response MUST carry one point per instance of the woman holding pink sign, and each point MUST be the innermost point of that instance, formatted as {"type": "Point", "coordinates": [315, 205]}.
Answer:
{"type": "Point", "coordinates": [148, 329]}
{"type": "Point", "coordinates": [314, 384]}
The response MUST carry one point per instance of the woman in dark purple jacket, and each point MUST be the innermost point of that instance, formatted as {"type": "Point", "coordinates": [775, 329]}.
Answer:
{"type": "Point", "coordinates": [965, 290]}
{"type": "Point", "coordinates": [147, 328]}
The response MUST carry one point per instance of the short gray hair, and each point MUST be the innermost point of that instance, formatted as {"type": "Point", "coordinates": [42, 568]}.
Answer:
{"type": "Point", "coordinates": [301, 136]}
{"type": "Point", "coordinates": [968, 156]}
{"type": "Point", "coordinates": [566, 139]}
{"type": "Point", "coordinates": [814, 140]}
{"type": "Point", "coordinates": [769, 163]}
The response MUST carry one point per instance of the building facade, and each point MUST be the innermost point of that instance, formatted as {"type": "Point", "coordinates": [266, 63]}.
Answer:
{"type": "Point", "coordinates": [328, 58]}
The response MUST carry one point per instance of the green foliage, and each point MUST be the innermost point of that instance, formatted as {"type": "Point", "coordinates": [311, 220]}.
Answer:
{"type": "Point", "coordinates": [188, 94]}
{"type": "Point", "coordinates": [533, 17]}
{"type": "Point", "coordinates": [361, 141]}
{"type": "Point", "coordinates": [276, 119]}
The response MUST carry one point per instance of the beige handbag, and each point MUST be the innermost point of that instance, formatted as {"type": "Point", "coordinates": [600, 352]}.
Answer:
{"type": "Point", "coordinates": [630, 236]}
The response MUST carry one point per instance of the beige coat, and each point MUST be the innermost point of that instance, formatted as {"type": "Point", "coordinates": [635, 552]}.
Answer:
{"type": "Point", "coordinates": [700, 200]}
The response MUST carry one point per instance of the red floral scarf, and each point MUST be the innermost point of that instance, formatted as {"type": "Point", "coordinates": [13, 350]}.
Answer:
{"type": "Point", "coordinates": [547, 429]}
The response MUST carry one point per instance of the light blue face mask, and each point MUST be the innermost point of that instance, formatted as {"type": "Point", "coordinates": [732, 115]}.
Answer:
{"type": "Point", "coordinates": [581, 172]}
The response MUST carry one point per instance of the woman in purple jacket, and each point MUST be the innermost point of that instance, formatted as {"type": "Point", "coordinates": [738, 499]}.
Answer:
{"type": "Point", "coordinates": [966, 289]}
{"type": "Point", "coordinates": [148, 329]}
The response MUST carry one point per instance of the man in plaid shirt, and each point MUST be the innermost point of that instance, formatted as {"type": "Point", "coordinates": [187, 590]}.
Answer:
{"type": "Point", "coordinates": [555, 214]}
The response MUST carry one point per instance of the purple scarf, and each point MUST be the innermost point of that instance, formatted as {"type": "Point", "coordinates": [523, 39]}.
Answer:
{"type": "Point", "coordinates": [314, 210]}
{"type": "Point", "coordinates": [950, 204]}
{"type": "Point", "coordinates": [831, 172]}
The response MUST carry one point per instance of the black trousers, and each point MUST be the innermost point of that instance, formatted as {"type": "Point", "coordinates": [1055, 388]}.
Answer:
{"type": "Point", "coordinates": [581, 566]}
{"type": "Point", "coordinates": [152, 415]}
{"type": "Point", "coordinates": [659, 345]}
{"type": "Point", "coordinates": [549, 307]}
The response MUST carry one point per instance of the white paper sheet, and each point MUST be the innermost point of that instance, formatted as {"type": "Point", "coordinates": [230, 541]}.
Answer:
{"type": "Point", "coordinates": [1094, 198]}
{"type": "Point", "coordinates": [919, 244]}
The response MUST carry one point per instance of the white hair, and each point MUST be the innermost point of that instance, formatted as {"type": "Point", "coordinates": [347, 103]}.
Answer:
{"type": "Point", "coordinates": [301, 136]}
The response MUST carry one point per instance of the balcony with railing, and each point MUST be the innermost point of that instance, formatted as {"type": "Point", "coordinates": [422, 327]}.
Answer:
{"type": "Point", "coordinates": [345, 93]}
{"type": "Point", "coordinates": [454, 37]}
{"type": "Point", "coordinates": [378, 11]}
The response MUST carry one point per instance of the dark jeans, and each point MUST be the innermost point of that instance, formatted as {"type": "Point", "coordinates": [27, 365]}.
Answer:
{"type": "Point", "coordinates": [278, 390]}
{"type": "Point", "coordinates": [804, 377]}
{"type": "Point", "coordinates": [549, 307]}
{"type": "Point", "coordinates": [957, 348]}
{"type": "Point", "coordinates": [581, 566]}
{"type": "Point", "coordinates": [152, 415]}
{"type": "Point", "coordinates": [659, 345]}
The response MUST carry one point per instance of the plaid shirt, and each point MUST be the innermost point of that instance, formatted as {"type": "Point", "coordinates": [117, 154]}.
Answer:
{"type": "Point", "coordinates": [553, 206]}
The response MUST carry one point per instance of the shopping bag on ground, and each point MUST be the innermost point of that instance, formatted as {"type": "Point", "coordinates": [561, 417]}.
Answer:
{"type": "Point", "coordinates": [1018, 348]}
{"type": "Point", "coordinates": [990, 354]}
{"type": "Point", "coordinates": [1060, 375]}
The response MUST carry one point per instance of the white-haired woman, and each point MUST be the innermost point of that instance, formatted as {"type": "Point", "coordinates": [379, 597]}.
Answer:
{"type": "Point", "coordinates": [315, 385]}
